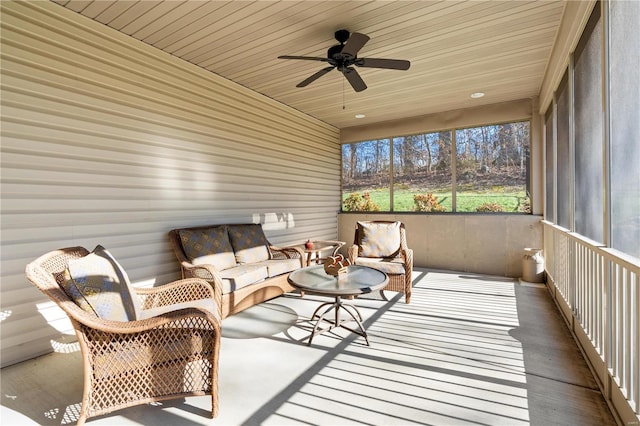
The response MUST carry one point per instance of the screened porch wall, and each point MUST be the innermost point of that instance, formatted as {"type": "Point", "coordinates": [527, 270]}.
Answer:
{"type": "Point", "coordinates": [106, 140]}
{"type": "Point", "coordinates": [591, 228]}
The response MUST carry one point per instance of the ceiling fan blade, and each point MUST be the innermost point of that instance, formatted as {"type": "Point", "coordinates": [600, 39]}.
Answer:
{"type": "Point", "coordinates": [393, 64]}
{"type": "Point", "coordinates": [314, 77]}
{"type": "Point", "coordinates": [354, 79]}
{"type": "Point", "coordinates": [354, 44]}
{"type": "Point", "coordinates": [304, 58]}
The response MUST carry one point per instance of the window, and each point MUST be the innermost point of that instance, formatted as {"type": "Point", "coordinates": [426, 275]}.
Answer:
{"type": "Point", "coordinates": [625, 126]}
{"type": "Point", "coordinates": [422, 166]}
{"type": "Point", "coordinates": [563, 159]}
{"type": "Point", "coordinates": [549, 156]}
{"type": "Point", "coordinates": [489, 171]}
{"type": "Point", "coordinates": [589, 141]}
{"type": "Point", "coordinates": [365, 176]}
{"type": "Point", "coordinates": [492, 164]}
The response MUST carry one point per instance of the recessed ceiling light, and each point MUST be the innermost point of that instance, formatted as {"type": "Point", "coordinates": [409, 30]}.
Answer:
{"type": "Point", "coordinates": [360, 116]}
{"type": "Point", "coordinates": [477, 95]}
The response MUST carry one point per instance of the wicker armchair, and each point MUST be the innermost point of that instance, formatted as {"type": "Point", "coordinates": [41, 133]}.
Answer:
{"type": "Point", "coordinates": [171, 353]}
{"type": "Point", "coordinates": [383, 245]}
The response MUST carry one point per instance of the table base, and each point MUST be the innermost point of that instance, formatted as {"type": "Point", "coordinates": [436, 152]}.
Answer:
{"type": "Point", "coordinates": [336, 321]}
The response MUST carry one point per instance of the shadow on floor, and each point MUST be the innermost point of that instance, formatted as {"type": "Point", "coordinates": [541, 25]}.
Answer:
{"type": "Point", "coordinates": [469, 349]}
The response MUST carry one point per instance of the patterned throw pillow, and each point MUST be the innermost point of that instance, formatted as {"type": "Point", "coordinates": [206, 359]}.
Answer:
{"type": "Point", "coordinates": [249, 243]}
{"type": "Point", "coordinates": [208, 246]}
{"type": "Point", "coordinates": [381, 239]}
{"type": "Point", "coordinates": [99, 285]}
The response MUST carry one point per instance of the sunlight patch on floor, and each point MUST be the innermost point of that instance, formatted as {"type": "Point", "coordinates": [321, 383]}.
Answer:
{"type": "Point", "coordinates": [447, 357]}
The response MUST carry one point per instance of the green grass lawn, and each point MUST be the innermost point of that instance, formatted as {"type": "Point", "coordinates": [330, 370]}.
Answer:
{"type": "Point", "coordinates": [465, 201]}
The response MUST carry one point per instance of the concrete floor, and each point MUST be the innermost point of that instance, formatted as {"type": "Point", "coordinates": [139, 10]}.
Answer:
{"type": "Point", "coordinates": [469, 349]}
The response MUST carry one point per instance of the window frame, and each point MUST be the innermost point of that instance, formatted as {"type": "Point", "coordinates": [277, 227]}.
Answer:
{"type": "Point", "coordinates": [453, 156]}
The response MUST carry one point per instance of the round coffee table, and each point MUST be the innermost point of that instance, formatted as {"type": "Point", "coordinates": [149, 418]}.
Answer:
{"type": "Point", "coordinates": [358, 280]}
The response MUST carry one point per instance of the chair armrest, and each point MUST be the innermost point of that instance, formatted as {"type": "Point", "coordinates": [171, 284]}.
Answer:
{"type": "Point", "coordinates": [180, 291]}
{"type": "Point", "coordinates": [287, 253]}
{"type": "Point", "coordinates": [407, 259]}
{"type": "Point", "coordinates": [352, 253]}
{"type": "Point", "coordinates": [185, 318]}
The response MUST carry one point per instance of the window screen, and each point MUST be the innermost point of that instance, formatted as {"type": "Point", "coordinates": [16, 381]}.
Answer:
{"type": "Point", "coordinates": [563, 156]}
{"type": "Point", "coordinates": [549, 204]}
{"type": "Point", "coordinates": [624, 63]}
{"type": "Point", "coordinates": [589, 167]}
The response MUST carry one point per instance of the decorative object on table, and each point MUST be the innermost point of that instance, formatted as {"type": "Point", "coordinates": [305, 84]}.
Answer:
{"type": "Point", "coordinates": [308, 245]}
{"type": "Point", "coordinates": [336, 265]}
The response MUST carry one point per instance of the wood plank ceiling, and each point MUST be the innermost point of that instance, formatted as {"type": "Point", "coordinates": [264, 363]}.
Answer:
{"type": "Point", "coordinates": [456, 48]}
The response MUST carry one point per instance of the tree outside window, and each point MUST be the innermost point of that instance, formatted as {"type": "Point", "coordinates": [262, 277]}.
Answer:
{"type": "Point", "coordinates": [422, 172]}
{"type": "Point", "coordinates": [365, 176]}
{"type": "Point", "coordinates": [491, 166]}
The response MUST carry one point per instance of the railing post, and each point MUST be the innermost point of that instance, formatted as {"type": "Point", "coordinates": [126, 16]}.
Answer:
{"type": "Point", "coordinates": [607, 328]}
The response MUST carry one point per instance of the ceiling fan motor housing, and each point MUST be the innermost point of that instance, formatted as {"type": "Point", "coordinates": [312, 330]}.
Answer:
{"type": "Point", "coordinates": [334, 51]}
{"type": "Point", "coordinates": [342, 36]}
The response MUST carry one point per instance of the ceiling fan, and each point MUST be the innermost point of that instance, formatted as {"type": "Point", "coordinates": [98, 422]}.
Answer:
{"type": "Point", "coordinates": [344, 56]}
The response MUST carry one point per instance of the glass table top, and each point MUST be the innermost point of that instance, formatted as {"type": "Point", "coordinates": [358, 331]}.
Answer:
{"type": "Point", "coordinates": [357, 280]}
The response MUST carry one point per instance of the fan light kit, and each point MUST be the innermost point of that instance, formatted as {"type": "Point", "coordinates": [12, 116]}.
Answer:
{"type": "Point", "coordinates": [344, 56]}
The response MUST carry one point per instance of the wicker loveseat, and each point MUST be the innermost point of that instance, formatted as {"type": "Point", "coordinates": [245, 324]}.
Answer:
{"type": "Point", "coordinates": [238, 260]}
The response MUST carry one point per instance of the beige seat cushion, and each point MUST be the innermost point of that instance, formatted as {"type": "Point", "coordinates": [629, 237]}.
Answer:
{"type": "Point", "coordinates": [393, 266]}
{"type": "Point", "coordinates": [277, 267]}
{"type": "Point", "coordinates": [242, 276]}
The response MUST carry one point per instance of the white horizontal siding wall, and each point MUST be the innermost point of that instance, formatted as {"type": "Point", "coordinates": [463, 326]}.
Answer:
{"type": "Point", "coordinates": [106, 140]}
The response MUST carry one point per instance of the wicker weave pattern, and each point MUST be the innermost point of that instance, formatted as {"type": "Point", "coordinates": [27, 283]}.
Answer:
{"type": "Point", "coordinates": [129, 363]}
{"type": "Point", "coordinates": [183, 290]}
{"type": "Point", "coordinates": [280, 253]}
{"type": "Point", "coordinates": [397, 282]}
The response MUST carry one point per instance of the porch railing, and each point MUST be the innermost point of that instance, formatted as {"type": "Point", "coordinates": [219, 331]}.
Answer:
{"type": "Point", "coordinates": [598, 291]}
